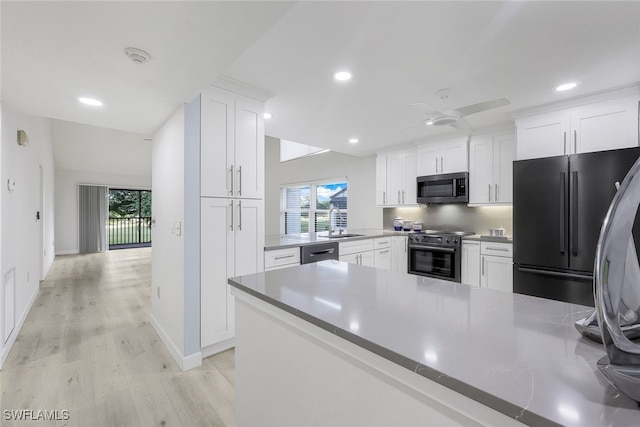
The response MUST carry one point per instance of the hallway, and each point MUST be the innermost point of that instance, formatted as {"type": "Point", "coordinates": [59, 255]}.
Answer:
{"type": "Point", "coordinates": [87, 347]}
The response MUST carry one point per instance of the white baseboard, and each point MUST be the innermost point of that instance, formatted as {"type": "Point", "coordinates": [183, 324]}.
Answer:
{"type": "Point", "coordinates": [184, 362]}
{"type": "Point", "coordinates": [218, 347]}
{"type": "Point", "coordinates": [16, 330]}
{"type": "Point", "coordinates": [68, 252]}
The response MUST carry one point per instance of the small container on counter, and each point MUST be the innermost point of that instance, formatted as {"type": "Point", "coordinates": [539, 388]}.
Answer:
{"type": "Point", "coordinates": [397, 223]}
{"type": "Point", "coordinates": [407, 225]}
{"type": "Point", "coordinates": [417, 227]}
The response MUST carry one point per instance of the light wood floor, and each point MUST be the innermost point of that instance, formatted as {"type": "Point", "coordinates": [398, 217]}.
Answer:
{"type": "Point", "coordinates": [87, 347]}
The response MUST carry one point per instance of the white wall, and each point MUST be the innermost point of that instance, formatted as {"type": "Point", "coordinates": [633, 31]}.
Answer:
{"type": "Point", "coordinates": [87, 154]}
{"type": "Point", "coordinates": [20, 230]}
{"type": "Point", "coordinates": [360, 173]}
{"type": "Point", "coordinates": [167, 265]}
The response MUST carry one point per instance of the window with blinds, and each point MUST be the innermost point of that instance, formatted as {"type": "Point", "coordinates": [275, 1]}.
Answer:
{"type": "Point", "coordinates": [305, 208]}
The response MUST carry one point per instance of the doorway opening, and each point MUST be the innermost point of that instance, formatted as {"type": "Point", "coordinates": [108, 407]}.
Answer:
{"type": "Point", "coordinates": [129, 218]}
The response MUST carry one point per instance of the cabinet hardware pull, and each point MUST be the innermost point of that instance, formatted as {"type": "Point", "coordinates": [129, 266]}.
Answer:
{"type": "Point", "coordinates": [231, 208]}
{"type": "Point", "coordinates": [441, 164]}
{"type": "Point", "coordinates": [497, 249]}
{"type": "Point", "coordinates": [402, 196]}
{"type": "Point", "coordinates": [240, 215]}
{"type": "Point", "coordinates": [565, 142]}
{"type": "Point", "coordinates": [399, 199]}
{"type": "Point", "coordinates": [436, 165]}
{"type": "Point", "coordinates": [489, 192]}
{"type": "Point", "coordinates": [231, 173]}
{"type": "Point", "coordinates": [284, 257]}
{"type": "Point", "coordinates": [575, 141]}
{"type": "Point", "coordinates": [384, 252]}
{"type": "Point", "coordinates": [384, 197]}
{"type": "Point", "coordinates": [239, 180]}
{"type": "Point", "coordinates": [483, 266]}
{"type": "Point", "coordinates": [495, 199]}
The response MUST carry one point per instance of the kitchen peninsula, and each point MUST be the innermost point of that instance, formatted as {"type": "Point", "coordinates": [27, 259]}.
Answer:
{"type": "Point", "coordinates": [332, 343]}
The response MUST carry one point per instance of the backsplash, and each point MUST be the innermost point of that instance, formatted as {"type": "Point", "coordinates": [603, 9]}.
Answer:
{"type": "Point", "coordinates": [454, 217]}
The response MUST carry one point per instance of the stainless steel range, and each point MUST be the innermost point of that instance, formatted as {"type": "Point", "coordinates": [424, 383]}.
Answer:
{"type": "Point", "coordinates": [436, 254]}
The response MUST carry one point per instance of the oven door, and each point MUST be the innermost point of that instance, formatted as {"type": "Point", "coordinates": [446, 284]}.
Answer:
{"type": "Point", "coordinates": [435, 261]}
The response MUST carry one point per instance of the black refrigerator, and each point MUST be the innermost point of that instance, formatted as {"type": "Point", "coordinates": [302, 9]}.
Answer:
{"type": "Point", "coordinates": [559, 204]}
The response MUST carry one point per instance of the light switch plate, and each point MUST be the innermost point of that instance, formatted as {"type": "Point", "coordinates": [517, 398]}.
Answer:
{"type": "Point", "coordinates": [177, 228]}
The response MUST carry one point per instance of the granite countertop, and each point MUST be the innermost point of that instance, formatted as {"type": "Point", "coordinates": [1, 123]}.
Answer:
{"type": "Point", "coordinates": [517, 354]}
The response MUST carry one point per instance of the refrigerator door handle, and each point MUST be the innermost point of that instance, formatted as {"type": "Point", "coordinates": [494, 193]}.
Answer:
{"type": "Point", "coordinates": [555, 273]}
{"type": "Point", "coordinates": [573, 208]}
{"type": "Point", "coordinates": [563, 209]}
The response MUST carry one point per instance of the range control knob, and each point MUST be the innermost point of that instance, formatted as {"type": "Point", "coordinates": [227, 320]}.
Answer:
{"type": "Point", "coordinates": [448, 240]}
{"type": "Point", "coordinates": [455, 240]}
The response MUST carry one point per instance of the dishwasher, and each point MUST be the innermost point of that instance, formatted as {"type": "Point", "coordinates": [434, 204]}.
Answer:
{"type": "Point", "coordinates": [319, 252]}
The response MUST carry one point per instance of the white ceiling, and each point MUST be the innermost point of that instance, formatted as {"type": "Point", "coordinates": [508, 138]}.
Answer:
{"type": "Point", "coordinates": [399, 53]}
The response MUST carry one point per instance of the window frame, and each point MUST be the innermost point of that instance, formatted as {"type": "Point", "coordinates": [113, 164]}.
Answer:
{"type": "Point", "coordinates": [313, 210]}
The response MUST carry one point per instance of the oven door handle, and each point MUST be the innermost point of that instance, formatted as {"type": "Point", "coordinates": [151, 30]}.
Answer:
{"type": "Point", "coordinates": [433, 248]}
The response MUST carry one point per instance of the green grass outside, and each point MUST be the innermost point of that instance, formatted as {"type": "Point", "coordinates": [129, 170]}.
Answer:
{"type": "Point", "coordinates": [122, 233]}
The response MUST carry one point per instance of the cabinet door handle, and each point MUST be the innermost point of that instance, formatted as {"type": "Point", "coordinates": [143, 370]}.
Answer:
{"type": "Point", "coordinates": [489, 248]}
{"type": "Point", "coordinates": [483, 266]}
{"type": "Point", "coordinates": [284, 257]}
{"type": "Point", "coordinates": [384, 197]}
{"type": "Point", "coordinates": [231, 173]}
{"type": "Point", "coordinates": [231, 210]}
{"type": "Point", "coordinates": [384, 252]}
{"type": "Point", "coordinates": [403, 196]}
{"type": "Point", "coordinates": [399, 199]}
{"type": "Point", "coordinates": [239, 180]}
{"type": "Point", "coordinates": [575, 141]}
{"type": "Point", "coordinates": [240, 215]}
{"type": "Point", "coordinates": [436, 165]}
{"type": "Point", "coordinates": [495, 199]}
{"type": "Point", "coordinates": [441, 164]}
{"type": "Point", "coordinates": [565, 142]}
{"type": "Point", "coordinates": [489, 192]}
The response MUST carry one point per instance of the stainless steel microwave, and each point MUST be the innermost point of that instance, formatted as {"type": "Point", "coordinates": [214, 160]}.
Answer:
{"type": "Point", "coordinates": [443, 188]}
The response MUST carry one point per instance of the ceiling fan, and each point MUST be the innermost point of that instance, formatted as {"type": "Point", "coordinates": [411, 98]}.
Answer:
{"type": "Point", "coordinates": [453, 117]}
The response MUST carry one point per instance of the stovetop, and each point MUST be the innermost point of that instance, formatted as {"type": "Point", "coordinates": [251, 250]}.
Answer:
{"type": "Point", "coordinates": [438, 237]}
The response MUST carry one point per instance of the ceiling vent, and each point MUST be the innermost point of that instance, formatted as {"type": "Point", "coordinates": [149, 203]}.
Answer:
{"type": "Point", "coordinates": [138, 56]}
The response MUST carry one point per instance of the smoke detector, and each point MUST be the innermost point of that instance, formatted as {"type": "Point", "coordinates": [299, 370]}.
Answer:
{"type": "Point", "coordinates": [138, 56]}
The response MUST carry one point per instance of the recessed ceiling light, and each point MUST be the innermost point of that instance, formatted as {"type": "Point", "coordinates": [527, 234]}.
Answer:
{"type": "Point", "coordinates": [267, 116]}
{"type": "Point", "coordinates": [342, 76]}
{"type": "Point", "coordinates": [90, 101]}
{"type": "Point", "coordinates": [354, 140]}
{"type": "Point", "coordinates": [429, 123]}
{"type": "Point", "coordinates": [566, 86]}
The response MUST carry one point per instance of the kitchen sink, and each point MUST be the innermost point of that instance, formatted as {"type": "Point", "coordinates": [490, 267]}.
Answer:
{"type": "Point", "coordinates": [341, 236]}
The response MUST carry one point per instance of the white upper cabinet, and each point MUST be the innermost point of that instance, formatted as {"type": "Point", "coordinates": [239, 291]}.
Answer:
{"type": "Point", "coordinates": [599, 126]}
{"type": "Point", "coordinates": [442, 157]}
{"type": "Point", "coordinates": [396, 178]}
{"type": "Point", "coordinates": [491, 169]}
{"type": "Point", "coordinates": [231, 146]}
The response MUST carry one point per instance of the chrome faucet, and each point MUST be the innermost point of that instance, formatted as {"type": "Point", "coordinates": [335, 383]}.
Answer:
{"type": "Point", "coordinates": [339, 216]}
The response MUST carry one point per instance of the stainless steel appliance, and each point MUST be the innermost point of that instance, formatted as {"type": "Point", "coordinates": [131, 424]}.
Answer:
{"type": "Point", "coordinates": [559, 204]}
{"type": "Point", "coordinates": [318, 252]}
{"type": "Point", "coordinates": [443, 188]}
{"type": "Point", "coordinates": [436, 254]}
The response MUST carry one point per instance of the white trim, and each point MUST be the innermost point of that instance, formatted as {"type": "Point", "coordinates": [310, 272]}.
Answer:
{"type": "Point", "coordinates": [184, 362]}
{"type": "Point", "coordinates": [67, 252]}
{"type": "Point", "coordinates": [218, 347]}
{"type": "Point", "coordinates": [17, 328]}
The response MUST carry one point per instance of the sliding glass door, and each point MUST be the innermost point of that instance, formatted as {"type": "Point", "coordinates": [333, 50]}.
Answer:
{"type": "Point", "coordinates": [129, 218]}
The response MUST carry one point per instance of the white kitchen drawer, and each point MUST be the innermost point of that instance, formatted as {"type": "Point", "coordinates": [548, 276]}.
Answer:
{"type": "Point", "coordinates": [280, 257]}
{"type": "Point", "coordinates": [347, 248]}
{"type": "Point", "coordinates": [497, 249]}
{"type": "Point", "coordinates": [382, 243]}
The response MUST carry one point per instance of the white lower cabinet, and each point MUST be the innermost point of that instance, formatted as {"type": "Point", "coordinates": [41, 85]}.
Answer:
{"type": "Point", "coordinates": [358, 252]}
{"type": "Point", "coordinates": [232, 244]}
{"type": "Point", "coordinates": [281, 258]}
{"type": "Point", "coordinates": [496, 269]}
{"type": "Point", "coordinates": [382, 254]}
{"type": "Point", "coordinates": [399, 254]}
{"type": "Point", "coordinates": [470, 260]}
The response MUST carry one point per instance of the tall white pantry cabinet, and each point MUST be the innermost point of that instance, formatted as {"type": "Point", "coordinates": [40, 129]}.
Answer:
{"type": "Point", "coordinates": [231, 207]}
